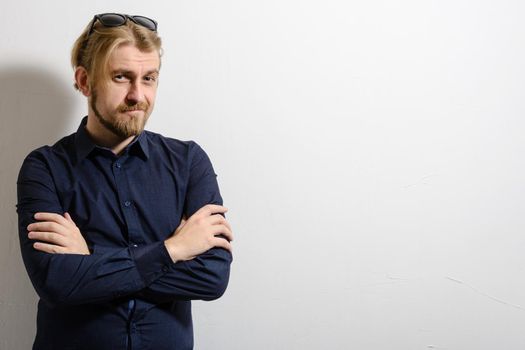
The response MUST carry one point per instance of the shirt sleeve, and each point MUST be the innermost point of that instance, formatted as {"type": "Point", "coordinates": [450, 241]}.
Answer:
{"type": "Point", "coordinates": [71, 279]}
{"type": "Point", "coordinates": [206, 276]}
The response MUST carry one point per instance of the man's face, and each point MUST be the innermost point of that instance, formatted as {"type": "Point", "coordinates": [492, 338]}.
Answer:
{"type": "Point", "coordinates": [125, 103]}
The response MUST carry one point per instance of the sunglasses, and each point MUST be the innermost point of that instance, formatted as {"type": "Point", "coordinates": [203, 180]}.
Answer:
{"type": "Point", "coordinates": [117, 19]}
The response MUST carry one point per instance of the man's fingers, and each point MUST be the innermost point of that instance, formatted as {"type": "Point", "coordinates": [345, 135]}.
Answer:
{"type": "Point", "coordinates": [210, 209]}
{"type": "Point", "coordinates": [222, 243]}
{"type": "Point", "coordinates": [49, 248]}
{"type": "Point", "coordinates": [49, 237]}
{"type": "Point", "coordinates": [46, 226]}
{"type": "Point", "coordinates": [68, 218]}
{"type": "Point", "coordinates": [218, 219]}
{"type": "Point", "coordinates": [222, 230]}
{"type": "Point", "coordinates": [51, 217]}
{"type": "Point", "coordinates": [205, 229]}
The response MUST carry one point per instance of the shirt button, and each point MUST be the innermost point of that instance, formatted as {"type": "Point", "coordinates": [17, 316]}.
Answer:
{"type": "Point", "coordinates": [165, 268]}
{"type": "Point", "coordinates": [127, 203]}
{"type": "Point", "coordinates": [134, 245]}
{"type": "Point", "coordinates": [117, 164]}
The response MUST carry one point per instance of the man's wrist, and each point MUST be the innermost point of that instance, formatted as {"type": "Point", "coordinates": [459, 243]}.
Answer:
{"type": "Point", "coordinates": [172, 250]}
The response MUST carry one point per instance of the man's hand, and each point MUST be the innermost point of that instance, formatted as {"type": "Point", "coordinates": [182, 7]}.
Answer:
{"type": "Point", "coordinates": [57, 234]}
{"type": "Point", "coordinates": [200, 233]}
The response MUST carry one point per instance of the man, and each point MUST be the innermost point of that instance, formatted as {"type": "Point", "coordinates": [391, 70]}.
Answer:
{"type": "Point", "coordinates": [120, 228]}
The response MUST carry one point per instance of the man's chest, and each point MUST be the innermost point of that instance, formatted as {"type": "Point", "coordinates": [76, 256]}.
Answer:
{"type": "Point", "coordinates": [121, 202]}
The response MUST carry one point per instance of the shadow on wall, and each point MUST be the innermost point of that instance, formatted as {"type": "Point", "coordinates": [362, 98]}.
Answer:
{"type": "Point", "coordinates": [35, 109]}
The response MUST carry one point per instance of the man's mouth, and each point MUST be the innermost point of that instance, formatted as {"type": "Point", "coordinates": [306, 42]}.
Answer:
{"type": "Point", "coordinates": [132, 112]}
{"type": "Point", "coordinates": [134, 108]}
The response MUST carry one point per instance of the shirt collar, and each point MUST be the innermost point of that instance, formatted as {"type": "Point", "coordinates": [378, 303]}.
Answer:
{"type": "Point", "coordinates": [84, 144]}
{"type": "Point", "coordinates": [141, 142]}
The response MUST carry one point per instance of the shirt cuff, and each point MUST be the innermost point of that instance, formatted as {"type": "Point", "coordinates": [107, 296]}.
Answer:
{"type": "Point", "coordinates": [152, 261]}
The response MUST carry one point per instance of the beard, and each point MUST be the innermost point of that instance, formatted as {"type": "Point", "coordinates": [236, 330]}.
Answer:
{"type": "Point", "coordinates": [123, 128]}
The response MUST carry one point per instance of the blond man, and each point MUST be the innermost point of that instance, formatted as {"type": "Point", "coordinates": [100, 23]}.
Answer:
{"type": "Point", "coordinates": [120, 228]}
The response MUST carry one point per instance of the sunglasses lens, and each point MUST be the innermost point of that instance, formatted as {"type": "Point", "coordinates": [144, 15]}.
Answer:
{"type": "Point", "coordinates": [117, 19]}
{"type": "Point", "coordinates": [146, 22]}
{"type": "Point", "coordinates": [112, 19]}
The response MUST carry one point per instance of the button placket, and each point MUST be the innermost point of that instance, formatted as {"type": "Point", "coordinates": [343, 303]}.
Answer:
{"type": "Point", "coordinates": [121, 167]}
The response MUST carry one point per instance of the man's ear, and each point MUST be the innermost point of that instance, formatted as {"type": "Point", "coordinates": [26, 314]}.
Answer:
{"type": "Point", "coordinates": [82, 81]}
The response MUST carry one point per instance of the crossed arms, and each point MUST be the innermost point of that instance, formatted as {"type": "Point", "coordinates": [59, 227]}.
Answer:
{"type": "Point", "coordinates": [57, 234]}
{"type": "Point", "coordinates": [192, 263]}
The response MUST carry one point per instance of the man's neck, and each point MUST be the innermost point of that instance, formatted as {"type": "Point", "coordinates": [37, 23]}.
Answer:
{"type": "Point", "coordinates": [101, 136]}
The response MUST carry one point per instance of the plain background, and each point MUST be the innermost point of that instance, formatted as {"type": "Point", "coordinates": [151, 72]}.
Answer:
{"type": "Point", "coordinates": [370, 153]}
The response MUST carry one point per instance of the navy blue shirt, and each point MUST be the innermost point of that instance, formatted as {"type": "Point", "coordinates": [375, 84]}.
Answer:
{"type": "Point", "coordinates": [128, 294]}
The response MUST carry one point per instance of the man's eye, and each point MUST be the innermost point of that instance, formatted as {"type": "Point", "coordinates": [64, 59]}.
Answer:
{"type": "Point", "coordinates": [150, 78]}
{"type": "Point", "coordinates": [119, 77]}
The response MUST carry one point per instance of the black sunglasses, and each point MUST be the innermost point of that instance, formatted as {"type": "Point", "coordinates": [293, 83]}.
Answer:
{"type": "Point", "coordinates": [118, 19]}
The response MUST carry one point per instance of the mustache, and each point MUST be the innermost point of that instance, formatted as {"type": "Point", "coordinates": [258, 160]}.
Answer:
{"type": "Point", "coordinates": [139, 106]}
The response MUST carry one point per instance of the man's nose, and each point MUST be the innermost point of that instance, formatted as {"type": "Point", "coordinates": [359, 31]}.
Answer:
{"type": "Point", "coordinates": [135, 93]}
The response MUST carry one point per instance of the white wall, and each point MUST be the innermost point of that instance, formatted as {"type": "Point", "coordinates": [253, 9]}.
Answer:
{"type": "Point", "coordinates": [371, 154]}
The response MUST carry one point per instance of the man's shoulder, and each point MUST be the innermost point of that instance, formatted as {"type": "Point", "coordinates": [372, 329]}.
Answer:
{"type": "Point", "coordinates": [173, 146]}
{"type": "Point", "coordinates": [61, 148]}
{"type": "Point", "coordinates": [41, 160]}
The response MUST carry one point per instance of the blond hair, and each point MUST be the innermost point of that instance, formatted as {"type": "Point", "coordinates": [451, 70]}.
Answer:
{"type": "Point", "coordinates": [92, 51]}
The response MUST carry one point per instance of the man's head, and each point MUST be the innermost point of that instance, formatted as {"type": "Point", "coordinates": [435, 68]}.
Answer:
{"type": "Point", "coordinates": [117, 68]}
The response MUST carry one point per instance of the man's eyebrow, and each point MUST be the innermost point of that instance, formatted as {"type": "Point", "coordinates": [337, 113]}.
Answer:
{"type": "Point", "coordinates": [153, 71]}
{"type": "Point", "coordinates": [129, 72]}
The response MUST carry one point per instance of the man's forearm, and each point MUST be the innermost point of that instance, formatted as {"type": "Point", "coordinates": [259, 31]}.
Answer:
{"type": "Point", "coordinates": [106, 274]}
{"type": "Point", "coordinates": [202, 278]}
{"type": "Point", "coordinates": [201, 273]}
